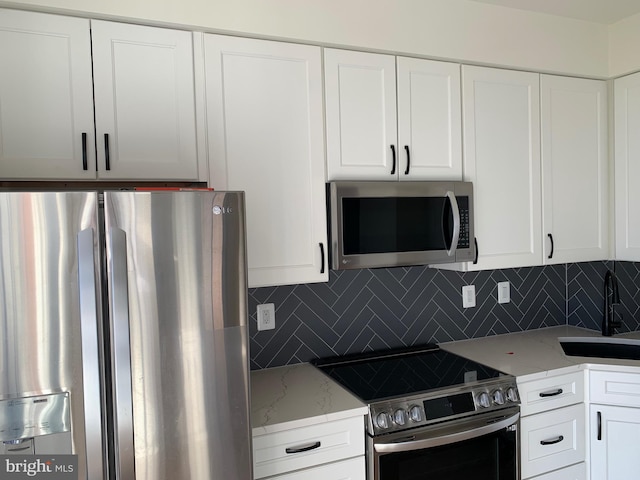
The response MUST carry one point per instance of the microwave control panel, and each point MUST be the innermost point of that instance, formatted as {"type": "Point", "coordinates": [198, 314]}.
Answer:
{"type": "Point", "coordinates": [463, 208]}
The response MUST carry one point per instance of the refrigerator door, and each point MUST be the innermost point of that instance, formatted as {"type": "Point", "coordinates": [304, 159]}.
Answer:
{"type": "Point", "coordinates": [50, 325]}
{"type": "Point", "coordinates": [179, 342]}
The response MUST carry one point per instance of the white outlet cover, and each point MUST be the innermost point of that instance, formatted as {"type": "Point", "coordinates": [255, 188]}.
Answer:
{"type": "Point", "coordinates": [266, 316]}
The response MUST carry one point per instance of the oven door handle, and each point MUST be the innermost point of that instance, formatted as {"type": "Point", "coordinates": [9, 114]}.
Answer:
{"type": "Point", "coordinates": [459, 436]}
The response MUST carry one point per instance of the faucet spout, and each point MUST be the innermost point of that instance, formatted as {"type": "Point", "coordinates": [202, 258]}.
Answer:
{"type": "Point", "coordinates": [611, 299]}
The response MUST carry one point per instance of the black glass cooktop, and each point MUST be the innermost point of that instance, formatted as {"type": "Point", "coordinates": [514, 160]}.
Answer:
{"type": "Point", "coordinates": [402, 372]}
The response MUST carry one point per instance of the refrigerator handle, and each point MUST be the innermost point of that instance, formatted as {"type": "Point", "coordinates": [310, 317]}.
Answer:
{"type": "Point", "coordinates": [121, 353]}
{"type": "Point", "coordinates": [90, 352]}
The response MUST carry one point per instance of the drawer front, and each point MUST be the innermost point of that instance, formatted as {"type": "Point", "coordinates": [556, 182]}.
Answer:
{"type": "Point", "coordinates": [305, 447]}
{"type": "Point", "coordinates": [615, 388]}
{"type": "Point", "coordinates": [553, 440]}
{"type": "Point", "coordinates": [574, 472]}
{"type": "Point", "coordinates": [551, 392]}
{"type": "Point", "coordinates": [352, 469]}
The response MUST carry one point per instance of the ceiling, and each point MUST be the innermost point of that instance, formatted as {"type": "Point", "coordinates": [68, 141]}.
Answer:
{"type": "Point", "coordinates": [597, 11]}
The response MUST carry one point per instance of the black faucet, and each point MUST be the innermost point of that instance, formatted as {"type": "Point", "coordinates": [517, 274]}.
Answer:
{"type": "Point", "coordinates": [611, 299]}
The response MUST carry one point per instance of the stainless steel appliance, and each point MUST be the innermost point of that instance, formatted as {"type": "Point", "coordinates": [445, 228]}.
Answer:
{"type": "Point", "coordinates": [433, 414]}
{"type": "Point", "coordinates": [123, 332]}
{"type": "Point", "coordinates": [387, 224]}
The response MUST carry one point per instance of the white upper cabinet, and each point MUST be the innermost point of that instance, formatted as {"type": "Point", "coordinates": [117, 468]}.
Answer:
{"type": "Point", "coordinates": [360, 96]}
{"type": "Point", "coordinates": [145, 104]}
{"type": "Point", "coordinates": [142, 83]}
{"type": "Point", "coordinates": [574, 169]}
{"type": "Point", "coordinates": [502, 158]}
{"type": "Point", "coordinates": [390, 122]}
{"type": "Point", "coordinates": [429, 123]}
{"type": "Point", "coordinates": [265, 135]}
{"type": "Point", "coordinates": [627, 167]}
{"type": "Point", "coordinates": [46, 97]}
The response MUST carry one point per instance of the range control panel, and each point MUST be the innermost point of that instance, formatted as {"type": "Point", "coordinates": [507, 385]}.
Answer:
{"type": "Point", "coordinates": [433, 407]}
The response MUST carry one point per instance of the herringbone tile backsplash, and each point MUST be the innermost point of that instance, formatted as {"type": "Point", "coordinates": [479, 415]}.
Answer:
{"type": "Point", "coordinates": [361, 310]}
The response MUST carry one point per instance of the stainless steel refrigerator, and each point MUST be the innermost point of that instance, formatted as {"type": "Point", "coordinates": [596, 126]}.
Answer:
{"type": "Point", "coordinates": [123, 335]}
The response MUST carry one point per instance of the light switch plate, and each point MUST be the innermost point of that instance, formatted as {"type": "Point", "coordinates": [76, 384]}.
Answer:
{"type": "Point", "coordinates": [468, 296]}
{"type": "Point", "coordinates": [504, 292]}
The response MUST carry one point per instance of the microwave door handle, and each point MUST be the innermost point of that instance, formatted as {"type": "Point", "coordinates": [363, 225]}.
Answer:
{"type": "Point", "coordinates": [456, 223]}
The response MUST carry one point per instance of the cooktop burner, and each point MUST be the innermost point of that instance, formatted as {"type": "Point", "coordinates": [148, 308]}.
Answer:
{"type": "Point", "coordinates": [400, 372]}
{"type": "Point", "coordinates": [417, 386]}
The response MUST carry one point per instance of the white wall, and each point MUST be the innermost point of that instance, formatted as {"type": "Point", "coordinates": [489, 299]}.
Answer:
{"type": "Point", "coordinates": [624, 46]}
{"type": "Point", "coordinates": [460, 30]}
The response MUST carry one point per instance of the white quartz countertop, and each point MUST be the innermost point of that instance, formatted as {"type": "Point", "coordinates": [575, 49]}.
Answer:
{"type": "Point", "coordinates": [296, 396]}
{"type": "Point", "coordinates": [533, 353]}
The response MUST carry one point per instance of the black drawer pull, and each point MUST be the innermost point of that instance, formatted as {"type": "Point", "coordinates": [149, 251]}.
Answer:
{"type": "Point", "coordinates": [85, 163]}
{"type": "Point", "coordinates": [393, 161]}
{"type": "Point", "coordinates": [19, 449]}
{"type": "Point", "coordinates": [406, 149]}
{"type": "Point", "coordinates": [107, 154]}
{"type": "Point", "coordinates": [599, 425]}
{"type": "Point", "coordinates": [553, 393]}
{"type": "Point", "coordinates": [321, 257]}
{"type": "Point", "coordinates": [303, 448]}
{"type": "Point", "coordinates": [558, 439]}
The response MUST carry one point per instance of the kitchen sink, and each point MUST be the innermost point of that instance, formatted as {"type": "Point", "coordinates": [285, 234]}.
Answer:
{"type": "Point", "coordinates": [601, 347]}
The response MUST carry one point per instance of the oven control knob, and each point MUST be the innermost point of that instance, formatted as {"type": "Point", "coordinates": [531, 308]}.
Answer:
{"type": "Point", "coordinates": [512, 394]}
{"type": "Point", "coordinates": [415, 414]}
{"type": "Point", "coordinates": [498, 397]}
{"type": "Point", "coordinates": [400, 417]}
{"type": "Point", "coordinates": [483, 400]}
{"type": "Point", "coordinates": [382, 420]}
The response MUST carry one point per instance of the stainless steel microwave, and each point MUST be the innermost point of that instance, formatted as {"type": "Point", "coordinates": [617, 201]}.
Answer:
{"type": "Point", "coordinates": [387, 224]}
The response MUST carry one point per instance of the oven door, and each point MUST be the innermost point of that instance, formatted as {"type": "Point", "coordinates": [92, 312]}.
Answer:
{"type": "Point", "coordinates": [482, 447]}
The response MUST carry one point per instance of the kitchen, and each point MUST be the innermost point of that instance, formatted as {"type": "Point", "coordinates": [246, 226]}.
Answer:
{"type": "Point", "coordinates": [520, 40]}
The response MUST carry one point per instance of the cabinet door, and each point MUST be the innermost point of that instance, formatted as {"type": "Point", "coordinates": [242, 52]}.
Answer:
{"type": "Point", "coordinates": [429, 120]}
{"type": "Point", "coordinates": [627, 167]}
{"type": "Point", "coordinates": [615, 435]}
{"type": "Point", "coordinates": [352, 469]}
{"type": "Point", "coordinates": [264, 109]}
{"type": "Point", "coordinates": [575, 174]}
{"type": "Point", "coordinates": [502, 158]}
{"type": "Point", "coordinates": [46, 97]}
{"type": "Point", "coordinates": [145, 104]}
{"type": "Point", "coordinates": [360, 91]}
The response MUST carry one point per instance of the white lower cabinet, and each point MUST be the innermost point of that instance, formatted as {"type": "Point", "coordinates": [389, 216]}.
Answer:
{"type": "Point", "coordinates": [352, 469]}
{"type": "Point", "coordinates": [328, 451]}
{"type": "Point", "coordinates": [553, 427]}
{"type": "Point", "coordinates": [552, 440]}
{"type": "Point", "coordinates": [614, 420]}
{"type": "Point", "coordinates": [574, 472]}
{"type": "Point", "coordinates": [615, 441]}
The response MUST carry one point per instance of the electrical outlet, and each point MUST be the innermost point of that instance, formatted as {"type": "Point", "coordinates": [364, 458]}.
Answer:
{"type": "Point", "coordinates": [266, 316]}
{"type": "Point", "coordinates": [468, 296]}
{"type": "Point", "coordinates": [504, 292]}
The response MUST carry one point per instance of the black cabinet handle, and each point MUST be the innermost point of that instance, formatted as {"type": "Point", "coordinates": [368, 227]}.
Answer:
{"type": "Point", "coordinates": [303, 448]}
{"type": "Point", "coordinates": [406, 149]}
{"type": "Point", "coordinates": [558, 439]}
{"type": "Point", "coordinates": [321, 257]}
{"type": "Point", "coordinates": [550, 238]}
{"type": "Point", "coordinates": [599, 425]}
{"type": "Point", "coordinates": [475, 242]}
{"type": "Point", "coordinates": [393, 159]}
{"type": "Point", "coordinates": [553, 393]}
{"type": "Point", "coordinates": [85, 164]}
{"type": "Point", "coordinates": [107, 160]}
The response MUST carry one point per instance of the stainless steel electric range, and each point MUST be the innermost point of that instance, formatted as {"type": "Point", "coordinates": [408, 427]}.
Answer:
{"type": "Point", "coordinates": [432, 414]}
